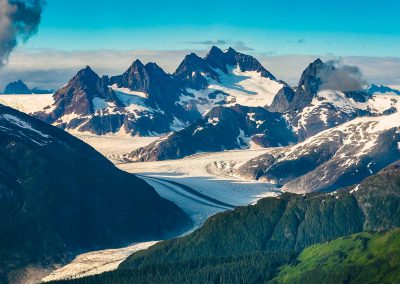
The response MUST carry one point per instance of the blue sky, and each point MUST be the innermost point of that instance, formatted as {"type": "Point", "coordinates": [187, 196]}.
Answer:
{"type": "Point", "coordinates": [284, 35]}
{"type": "Point", "coordinates": [343, 28]}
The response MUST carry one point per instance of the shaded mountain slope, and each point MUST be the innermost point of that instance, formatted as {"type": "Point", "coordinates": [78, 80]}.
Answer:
{"type": "Point", "coordinates": [58, 197]}
{"type": "Point", "coordinates": [222, 128]}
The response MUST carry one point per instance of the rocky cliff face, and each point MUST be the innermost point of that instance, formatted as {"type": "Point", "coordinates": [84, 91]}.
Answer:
{"type": "Point", "coordinates": [315, 105]}
{"type": "Point", "coordinates": [78, 95]}
{"type": "Point", "coordinates": [222, 60]}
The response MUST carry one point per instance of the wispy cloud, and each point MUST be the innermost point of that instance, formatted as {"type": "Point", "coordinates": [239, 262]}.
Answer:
{"type": "Point", "coordinates": [238, 45]}
{"type": "Point", "coordinates": [297, 41]}
{"type": "Point", "coordinates": [242, 46]}
{"type": "Point", "coordinates": [209, 42]}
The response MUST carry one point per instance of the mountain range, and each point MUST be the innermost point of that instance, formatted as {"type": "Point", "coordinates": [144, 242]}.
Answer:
{"type": "Point", "coordinates": [20, 88]}
{"type": "Point", "coordinates": [145, 100]}
{"type": "Point", "coordinates": [298, 114]}
{"type": "Point", "coordinates": [332, 145]}
{"type": "Point", "coordinates": [227, 100]}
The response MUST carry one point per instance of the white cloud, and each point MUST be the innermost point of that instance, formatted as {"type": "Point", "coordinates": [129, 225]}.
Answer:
{"type": "Point", "coordinates": [379, 70]}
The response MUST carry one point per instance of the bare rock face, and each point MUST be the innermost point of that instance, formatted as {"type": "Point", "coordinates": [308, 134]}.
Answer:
{"type": "Point", "coordinates": [282, 99]}
{"type": "Point", "coordinates": [193, 72]}
{"type": "Point", "coordinates": [221, 60]}
{"type": "Point", "coordinates": [78, 95]}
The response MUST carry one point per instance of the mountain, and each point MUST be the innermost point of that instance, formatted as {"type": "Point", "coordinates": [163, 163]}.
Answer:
{"type": "Point", "coordinates": [21, 88]}
{"type": "Point", "coordinates": [147, 101]}
{"type": "Point", "coordinates": [59, 197]}
{"type": "Point", "coordinates": [161, 89]}
{"type": "Point", "coordinates": [223, 60]}
{"type": "Point", "coordinates": [17, 87]}
{"type": "Point", "coordinates": [381, 89]}
{"type": "Point", "coordinates": [251, 244]}
{"type": "Point", "coordinates": [226, 78]}
{"type": "Point", "coordinates": [140, 102]}
{"type": "Point", "coordinates": [299, 114]}
{"type": "Point", "coordinates": [317, 104]}
{"type": "Point", "coordinates": [222, 128]}
{"type": "Point", "coordinates": [360, 258]}
{"type": "Point", "coordinates": [338, 157]}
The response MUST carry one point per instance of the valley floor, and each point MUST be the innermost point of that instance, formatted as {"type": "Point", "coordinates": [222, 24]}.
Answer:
{"type": "Point", "coordinates": [202, 185]}
{"type": "Point", "coordinates": [207, 174]}
{"type": "Point", "coordinates": [95, 262]}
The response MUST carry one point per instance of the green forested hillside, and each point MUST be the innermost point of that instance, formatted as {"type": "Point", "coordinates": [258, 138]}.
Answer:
{"type": "Point", "coordinates": [250, 244]}
{"type": "Point", "coordinates": [360, 258]}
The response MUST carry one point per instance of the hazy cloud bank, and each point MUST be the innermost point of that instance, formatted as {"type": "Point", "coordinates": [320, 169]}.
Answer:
{"type": "Point", "coordinates": [48, 68]}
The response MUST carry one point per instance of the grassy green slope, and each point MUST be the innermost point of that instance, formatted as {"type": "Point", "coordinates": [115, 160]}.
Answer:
{"type": "Point", "coordinates": [360, 258]}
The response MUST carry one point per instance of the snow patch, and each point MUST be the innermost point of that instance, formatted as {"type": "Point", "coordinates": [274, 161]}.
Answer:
{"type": "Point", "coordinates": [22, 124]}
{"type": "Point", "coordinates": [28, 103]}
{"type": "Point", "coordinates": [99, 104]}
{"type": "Point", "coordinates": [128, 91]}
{"type": "Point", "coordinates": [96, 262]}
{"type": "Point", "coordinates": [213, 120]}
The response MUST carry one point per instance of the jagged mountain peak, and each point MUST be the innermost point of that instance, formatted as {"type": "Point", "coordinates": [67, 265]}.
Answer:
{"type": "Point", "coordinates": [17, 87]}
{"type": "Point", "coordinates": [309, 85]}
{"type": "Point", "coordinates": [137, 66]}
{"type": "Point", "coordinates": [77, 96]}
{"type": "Point", "coordinates": [232, 51]}
{"type": "Point", "coordinates": [192, 56]}
{"type": "Point", "coordinates": [153, 67]}
{"type": "Point", "coordinates": [193, 70]}
{"type": "Point", "coordinates": [87, 71]}
{"type": "Point", "coordinates": [381, 89]}
{"type": "Point", "coordinates": [214, 51]}
{"type": "Point", "coordinates": [311, 71]}
{"type": "Point", "coordinates": [137, 62]}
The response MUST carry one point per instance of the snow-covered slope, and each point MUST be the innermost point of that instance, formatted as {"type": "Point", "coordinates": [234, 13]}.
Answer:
{"type": "Point", "coordinates": [335, 158]}
{"type": "Point", "coordinates": [27, 103]}
{"type": "Point", "coordinates": [330, 108]}
{"type": "Point", "coordinates": [246, 88]}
